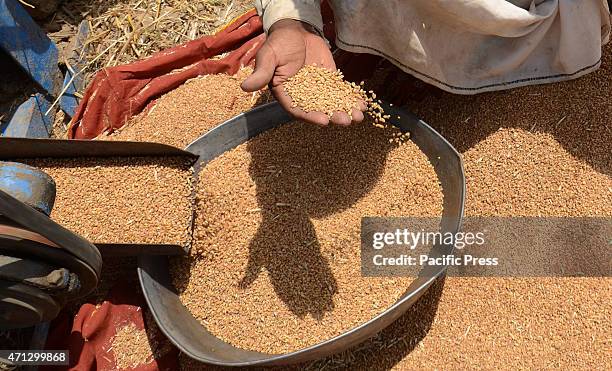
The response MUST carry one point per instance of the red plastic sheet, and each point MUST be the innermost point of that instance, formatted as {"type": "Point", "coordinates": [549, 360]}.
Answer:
{"type": "Point", "coordinates": [89, 335]}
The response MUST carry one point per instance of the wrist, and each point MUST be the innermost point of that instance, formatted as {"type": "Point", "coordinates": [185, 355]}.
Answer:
{"type": "Point", "coordinates": [293, 24]}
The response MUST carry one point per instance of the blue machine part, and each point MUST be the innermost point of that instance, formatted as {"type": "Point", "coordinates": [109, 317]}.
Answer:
{"type": "Point", "coordinates": [28, 184]}
{"type": "Point", "coordinates": [69, 100]}
{"type": "Point", "coordinates": [29, 46]}
{"type": "Point", "coordinates": [29, 120]}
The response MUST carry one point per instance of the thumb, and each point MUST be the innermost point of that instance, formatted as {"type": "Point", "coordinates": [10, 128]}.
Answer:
{"type": "Point", "coordinates": [265, 65]}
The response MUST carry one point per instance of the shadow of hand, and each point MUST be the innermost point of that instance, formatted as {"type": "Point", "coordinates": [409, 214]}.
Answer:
{"type": "Point", "coordinates": [303, 172]}
{"type": "Point", "coordinates": [287, 247]}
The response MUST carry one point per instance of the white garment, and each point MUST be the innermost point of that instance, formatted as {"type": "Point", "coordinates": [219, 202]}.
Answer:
{"type": "Point", "coordinates": [466, 46]}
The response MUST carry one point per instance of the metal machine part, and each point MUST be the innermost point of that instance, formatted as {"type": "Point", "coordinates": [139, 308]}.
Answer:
{"type": "Point", "coordinates": [12, 148]}
{"type": "Point", "coordinates": [179, 325]}
{"type": "Point", "coordinates": [34, 53]}
{"type": "Point", "coordinates": [29, 55]}
{"type": "Point", "coordinates": [29, 185]}
{"type": "Point", "coordinates": [32, 291]}
{"type": "Point", "coordinates": [37, 276]}
{"type": "Point", "coordinates": [24, 244]}
{"type": "Point", "coordinates": [22, 305]}
{"type": "Point", "coordinates": [54, 264]}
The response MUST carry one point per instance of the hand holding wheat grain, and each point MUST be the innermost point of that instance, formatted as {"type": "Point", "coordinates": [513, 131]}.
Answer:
{"type": "Point", "coordinates": [290, 46]}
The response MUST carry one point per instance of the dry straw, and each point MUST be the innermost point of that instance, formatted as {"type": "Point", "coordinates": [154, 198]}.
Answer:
{"type": "Point", "coordinates": [123, 31]}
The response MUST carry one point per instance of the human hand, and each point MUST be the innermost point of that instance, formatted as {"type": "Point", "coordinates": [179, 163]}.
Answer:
{"type": "Point", "coordinates": [290, 45]}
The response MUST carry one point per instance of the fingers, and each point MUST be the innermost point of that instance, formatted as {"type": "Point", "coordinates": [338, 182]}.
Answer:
{"type": "Point", "coordinates": [317, 118]}
{"type": "Point", "coordinates": [357, 116]}
{"type": "Point", "coordinates": [357, 113]}
{"type": "Point", "coordinates": [265, 64]}
{"type": "Point", "coordinates": [343, 119]}
{"type": "Point", "coordinates": [340, 118]}
{"type": "Point", "coordinates": [362, 105]}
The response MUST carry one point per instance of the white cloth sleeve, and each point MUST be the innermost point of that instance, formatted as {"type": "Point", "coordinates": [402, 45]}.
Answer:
{"type": "Point", "coordinates": [308, 11]}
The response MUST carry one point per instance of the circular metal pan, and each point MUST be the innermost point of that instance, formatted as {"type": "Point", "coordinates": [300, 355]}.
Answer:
{"type": "Point", "coordinates": [193, 339]}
